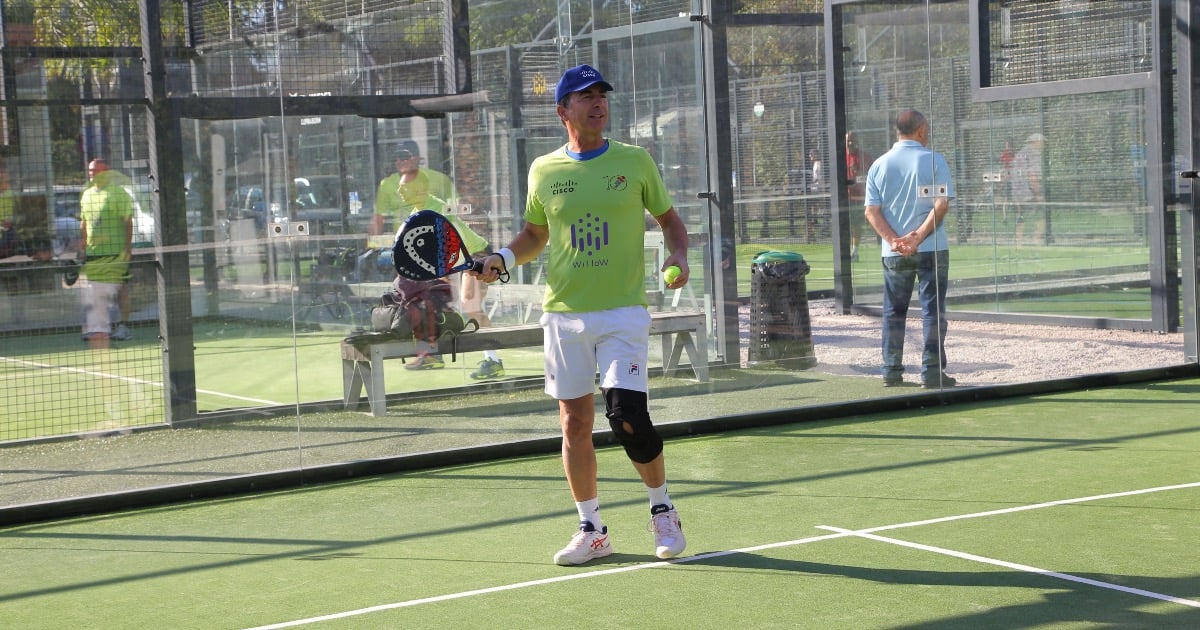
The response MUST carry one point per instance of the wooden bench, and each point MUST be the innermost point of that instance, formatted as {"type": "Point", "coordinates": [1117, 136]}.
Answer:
{"type": "Point", "coordinates": [362, 358]}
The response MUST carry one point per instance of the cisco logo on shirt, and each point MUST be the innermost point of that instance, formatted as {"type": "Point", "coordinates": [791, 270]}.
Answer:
{"type": "Point", "coordinates": [562, 188]}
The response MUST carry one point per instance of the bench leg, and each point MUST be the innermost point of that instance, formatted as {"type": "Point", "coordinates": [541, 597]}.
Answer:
{"type": "Point", "coordinates": [697, 354]}
{"type": "Point", "coordinates": [352, 384]}
{"type": "Point", "coordinates": [670, 355]}
{"type": "Point", "coordinates": [376, 393]}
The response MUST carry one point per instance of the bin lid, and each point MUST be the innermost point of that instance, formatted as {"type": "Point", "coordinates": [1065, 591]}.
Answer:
{"type": "Point", "coordinates": [785, 266]}
{"type": "Point", "coordinates": [777, 257]}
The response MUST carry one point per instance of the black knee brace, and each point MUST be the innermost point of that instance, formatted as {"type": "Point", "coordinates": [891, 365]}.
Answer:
{"type": "Point", "coordinates": [629, 416]}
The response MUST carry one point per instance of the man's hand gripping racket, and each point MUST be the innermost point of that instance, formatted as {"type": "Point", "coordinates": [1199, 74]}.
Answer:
{"type": "Point", "coordinates": [428, 246]}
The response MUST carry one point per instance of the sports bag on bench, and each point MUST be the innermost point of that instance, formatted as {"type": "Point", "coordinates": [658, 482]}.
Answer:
{"type": "Point", "coordinates": [420, 310]}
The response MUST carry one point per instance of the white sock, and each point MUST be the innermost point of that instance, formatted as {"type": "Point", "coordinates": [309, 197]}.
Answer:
{"type": "Point", "coordinates": [590, 511]}
{"type": "Point", "coordinates": [491, 354]}
{"type": "Point", "coordinates": [658, 496]}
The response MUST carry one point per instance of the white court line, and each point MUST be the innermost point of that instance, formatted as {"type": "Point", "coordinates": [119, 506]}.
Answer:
{"type": "Point", "coordinates": [127, 379]}
{"type": "Point", "coordinates": [1035, 506]}
{"type": "Point", "coordinates": [554, 580]}
{"type": "Point", "coordinates": [1018, 567]}
{"type": "Point", "coordinates": [838, 533]}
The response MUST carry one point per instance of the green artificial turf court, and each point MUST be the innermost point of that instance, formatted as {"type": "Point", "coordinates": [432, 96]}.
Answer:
{"type": "Point", "coordinates": [66, 388]}
{"type": "Point", "coordinates": [1068, 510]}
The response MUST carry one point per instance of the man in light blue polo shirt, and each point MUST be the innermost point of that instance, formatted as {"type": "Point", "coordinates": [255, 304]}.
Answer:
{"type": "Point", "coordinates": [908, 194]}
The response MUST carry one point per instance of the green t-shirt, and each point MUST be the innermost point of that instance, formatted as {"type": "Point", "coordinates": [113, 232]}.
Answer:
{"type": "Point", "coordinates": [429, 190]}
{"type": "Point", "coordinates": [7, 202]}
{"type": "Point", "coordinates": [596, 214]}
{"type": "Point", "coordinates": [106, 209]}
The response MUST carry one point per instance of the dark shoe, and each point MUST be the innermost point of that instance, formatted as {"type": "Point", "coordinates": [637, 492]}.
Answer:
{"type": "Point", "coordinates": [892, 381]}
{"type": "Point", "coordinates": [939, 383]}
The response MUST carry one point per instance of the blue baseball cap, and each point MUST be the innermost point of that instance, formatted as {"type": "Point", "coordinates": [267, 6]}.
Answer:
{"type": "Point", "coordinates": [578, 79]}
{"type": "Point", "coordinates": [406, 149]}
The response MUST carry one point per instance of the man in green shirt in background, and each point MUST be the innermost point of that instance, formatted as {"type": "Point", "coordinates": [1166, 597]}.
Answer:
{"type": "Point", "coordinates": [412, 188]}
{"type": "Point", "coordinates": [106, 231]}
{"type": "Point", "coordinates": [409, 189]}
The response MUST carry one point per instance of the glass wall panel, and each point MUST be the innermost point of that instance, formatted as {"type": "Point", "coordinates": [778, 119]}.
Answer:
{"type": "Point", "coordinates": [1051, 212]}
{"type": "Point", "coordinates": [304, 121]}
{"type": "Point", "coordinates": [777, 105]}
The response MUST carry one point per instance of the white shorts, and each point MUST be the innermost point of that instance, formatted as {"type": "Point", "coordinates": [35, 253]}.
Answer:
{"type": "Point", "coordinates": [614, 342]}
{"type": "Point", "coordinates": [98, 298]}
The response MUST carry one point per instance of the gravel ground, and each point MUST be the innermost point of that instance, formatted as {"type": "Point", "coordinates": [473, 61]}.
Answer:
{"type": "Point", "coordinates": [983, 353]}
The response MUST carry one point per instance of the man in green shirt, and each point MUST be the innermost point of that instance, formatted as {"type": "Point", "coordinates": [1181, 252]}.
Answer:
{"type": "Point", "coordinates": [587, 203]}
{"type": "Point", "coordinates": [411, 188]}
{"type": "Point", "coordinates": [106, 231]}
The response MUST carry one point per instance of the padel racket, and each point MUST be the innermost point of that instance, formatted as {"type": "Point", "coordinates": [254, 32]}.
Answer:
{"type": "Point", "coordinates": [428, 246]}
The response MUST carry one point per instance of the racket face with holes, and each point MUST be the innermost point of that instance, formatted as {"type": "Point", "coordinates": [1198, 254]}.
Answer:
{"type": "Point", "coordinates": [428, 246]}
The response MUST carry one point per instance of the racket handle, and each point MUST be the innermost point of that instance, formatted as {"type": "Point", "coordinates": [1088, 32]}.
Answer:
{"type": "Point", "coordinates": [477, 267]}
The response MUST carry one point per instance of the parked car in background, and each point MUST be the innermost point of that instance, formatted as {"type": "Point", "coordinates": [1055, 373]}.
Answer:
{"type": "Point", "coordinates": [248, 202]}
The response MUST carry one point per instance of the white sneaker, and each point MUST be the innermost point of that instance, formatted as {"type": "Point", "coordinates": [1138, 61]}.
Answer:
{"type": "Point", "coordinates": [121, 333]}
{"type": "Point", "coordinates": [668, 533]}
{"type": "Point", "coordinates": [586, 544]}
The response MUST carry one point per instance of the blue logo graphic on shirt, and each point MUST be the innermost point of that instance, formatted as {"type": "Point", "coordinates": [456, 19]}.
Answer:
{"type": "Point", "coordinates": [589, 234]}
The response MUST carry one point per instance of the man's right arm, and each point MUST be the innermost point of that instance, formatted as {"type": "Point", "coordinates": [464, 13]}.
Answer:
{"type": "Point", "coordinates": [874, 216]}
{"type": "Point", "coordinates": [382, 202]}
{"type": "Point", "coordinates": [525, 246]}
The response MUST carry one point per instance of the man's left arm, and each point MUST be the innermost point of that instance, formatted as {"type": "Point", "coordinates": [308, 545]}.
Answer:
{"type": "Point", "coordinates": [127, 212]}
{"type": "Point", "coordinates": [676, 239]}
{"type": "Point", "coordinates": [386, 201]}
{"type": "Point", "coordinates": [941, 206]}
{"type": "Point", "coordinates": [127, 251]}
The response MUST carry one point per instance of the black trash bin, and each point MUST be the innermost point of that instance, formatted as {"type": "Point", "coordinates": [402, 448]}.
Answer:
{"type": "Point", "coordinates": [780, 328]}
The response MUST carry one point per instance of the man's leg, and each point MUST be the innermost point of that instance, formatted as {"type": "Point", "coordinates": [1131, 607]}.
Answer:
{"type": "Point", "coordinates": [899, 274]}
{"type": "Point", "coordinates": [856, 222]}
{"type": "Point", "coordinates": [124, 304]}
{"type": "Point", "coordinates": [98, 299]}
{"type": "Point", "coordinates": [124, 312]}
{"type": "Point", "coordinates": [933, 277]}
{"type": "Point", "coordinates": [472, 293]}
{"type": "Point", "coordinates": [622, 356]}
{"type": "Point", "coordinates": [630, 422]}
{"type": "Point", "coordinates": [576, 417]}
{"type": "Point", "coordinates": [653, 473]}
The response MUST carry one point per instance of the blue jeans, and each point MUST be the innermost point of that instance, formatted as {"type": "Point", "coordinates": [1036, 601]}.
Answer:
{"type": "Point", "coordinates": [929, 271]}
